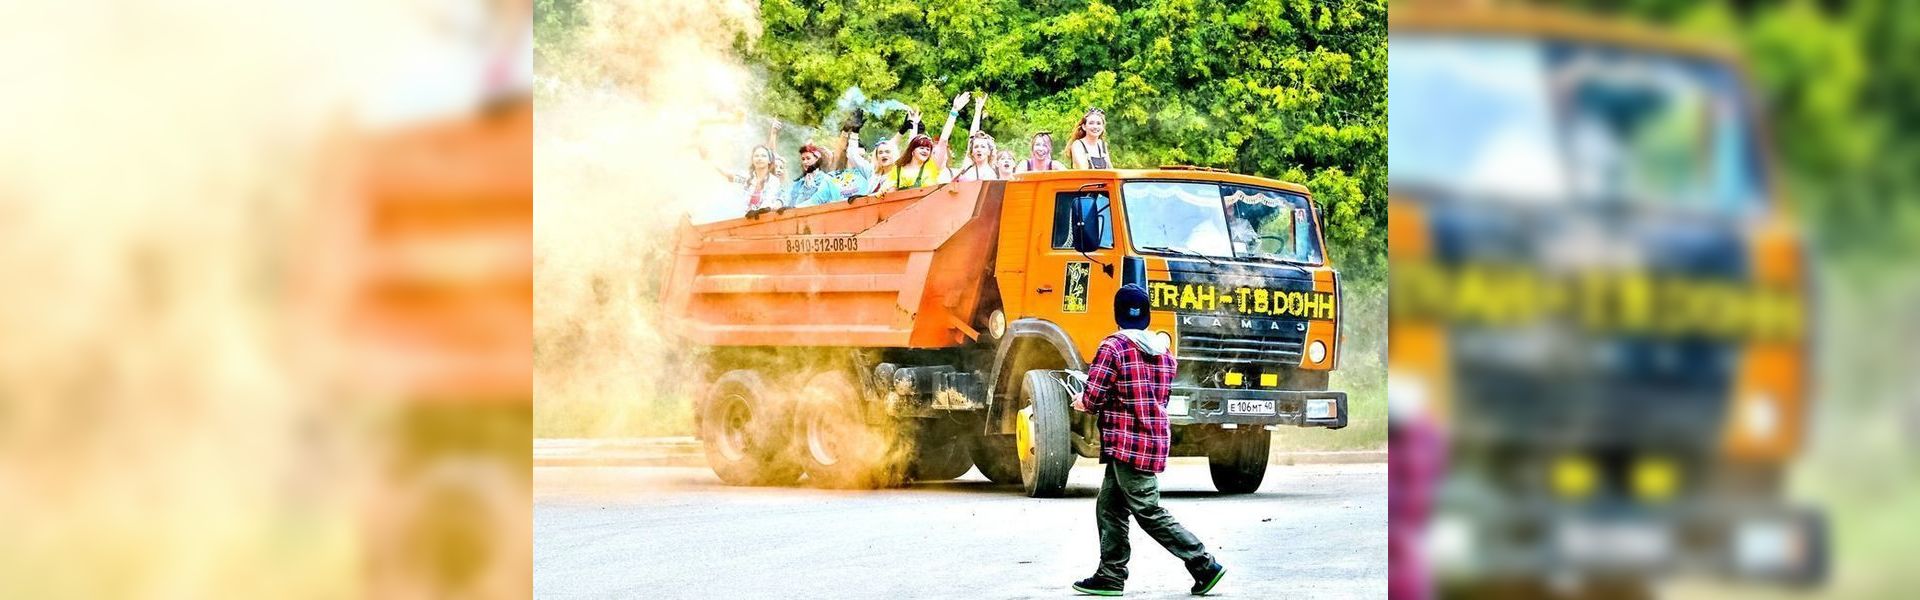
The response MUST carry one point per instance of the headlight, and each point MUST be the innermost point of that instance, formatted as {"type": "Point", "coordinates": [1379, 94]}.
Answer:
{"type": "Point", "coordinates": [997, 324]}
{"type": "Point", "coordinates": [1321, 408]}
{"type": "Point", "coordinates": [1450, 543]}
{"type": "Point", "coordinates": [1760, 416]}
{"type": "Point", "coordinates": [1406, 396]}
{"type": "Point", "coordinates": [1166, 339]}
{"type": "Point", "coordinates": [1316, 352]}
{"type": "Point", "coordinates": [1766, 548]}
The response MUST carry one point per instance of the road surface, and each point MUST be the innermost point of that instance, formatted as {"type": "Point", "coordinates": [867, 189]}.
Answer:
{"type": "Point", "coordinates": [677, 532]}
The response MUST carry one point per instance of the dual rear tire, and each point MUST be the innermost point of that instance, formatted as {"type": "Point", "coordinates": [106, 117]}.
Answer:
{"type": "Point", "coordinates": [757, 435]}
{"type": "Point", "coordinates": [839, 448]}
{"type": "Point", "coordinates": [744, 429]}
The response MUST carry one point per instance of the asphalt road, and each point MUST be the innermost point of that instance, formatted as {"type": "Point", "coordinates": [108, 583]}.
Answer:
{"type": "Point", "coordinates": [676, 532]}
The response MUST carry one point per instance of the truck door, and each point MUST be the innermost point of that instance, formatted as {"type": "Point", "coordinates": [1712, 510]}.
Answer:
{"type": "Point", "coordinates": [1072, 289]}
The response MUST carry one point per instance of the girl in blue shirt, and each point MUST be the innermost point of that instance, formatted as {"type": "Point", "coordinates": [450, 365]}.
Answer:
{"type": "Point", "coordinates": [816, 184]}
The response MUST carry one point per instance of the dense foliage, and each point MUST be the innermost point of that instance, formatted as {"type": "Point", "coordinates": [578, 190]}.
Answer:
{"type": "Point", "coordinates": [1291, 89]}
{"type": "Point", "coordinates": [1840, 82]}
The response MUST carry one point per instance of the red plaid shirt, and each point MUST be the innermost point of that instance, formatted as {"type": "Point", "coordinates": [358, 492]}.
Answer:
{"type": "Point", "coordinates": [1127, 390]}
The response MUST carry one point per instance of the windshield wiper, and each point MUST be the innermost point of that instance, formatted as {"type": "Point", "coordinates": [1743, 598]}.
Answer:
{"type": "Point", "coordinates": [1280, 259]}
{"type": "Point", "coordinates": [1181, 252]}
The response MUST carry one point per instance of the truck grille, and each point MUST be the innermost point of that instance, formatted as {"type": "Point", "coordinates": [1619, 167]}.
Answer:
{"type": "Point", "coordinates": [1249, 349]}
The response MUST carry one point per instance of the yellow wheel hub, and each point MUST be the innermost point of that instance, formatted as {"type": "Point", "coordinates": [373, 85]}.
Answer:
{"type": "Point", "coordinates": [1023, 434]}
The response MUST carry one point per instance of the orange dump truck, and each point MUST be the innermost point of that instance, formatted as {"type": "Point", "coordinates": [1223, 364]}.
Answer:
{"type": "Point", "coordinates": [922, 332]}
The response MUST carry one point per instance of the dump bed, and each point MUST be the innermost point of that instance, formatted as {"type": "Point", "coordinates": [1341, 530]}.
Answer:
{"type": "Point", "coordinates": [903, 270]}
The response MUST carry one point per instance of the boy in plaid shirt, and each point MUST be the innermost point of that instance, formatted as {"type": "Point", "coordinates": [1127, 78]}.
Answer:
{"type": "Point", "coordinates": [1127, 388]}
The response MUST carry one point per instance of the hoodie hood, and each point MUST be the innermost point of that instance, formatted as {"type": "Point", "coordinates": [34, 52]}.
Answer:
{"type": "Point", "coordinates": [1147, 342]}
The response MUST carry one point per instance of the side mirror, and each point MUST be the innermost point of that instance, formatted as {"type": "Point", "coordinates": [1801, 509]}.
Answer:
{"type": "Point", "coordinates": [1086, 225]}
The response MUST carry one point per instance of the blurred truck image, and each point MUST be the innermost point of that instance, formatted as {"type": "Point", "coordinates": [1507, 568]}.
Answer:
{"type": "Point", "coordinates": [434, 298]}
{"type": "Point", "coordinates": [913, 335]}
{"type": "Point", "coordinates": [1600, 299]}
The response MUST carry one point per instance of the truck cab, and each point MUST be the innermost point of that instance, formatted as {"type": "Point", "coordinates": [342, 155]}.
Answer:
{"type": "Point", "coordinates": [1240, 287]}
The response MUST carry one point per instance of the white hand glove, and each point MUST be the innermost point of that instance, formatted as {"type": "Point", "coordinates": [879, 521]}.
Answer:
{"type": "Point", "coordinates": [1076, 384]}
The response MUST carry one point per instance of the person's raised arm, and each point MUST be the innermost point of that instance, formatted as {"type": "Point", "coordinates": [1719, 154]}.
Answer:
{"type": "Point", "coordinates": [979, 110]}
{"type": "Point", "coordinates": [855, 156]}
{"type": "Point", "coordinates": [773, 133]}
{"type": "Point", "coordinates": [909, 123]}
{"type": "Point", "coordinates": [724, 172]}
{"type": "Point", "coordinates": [941, 154]}
{"type": "Point", "coordinates": [909, 126]}
{"type": "Point", "coordinates": [849, 136]}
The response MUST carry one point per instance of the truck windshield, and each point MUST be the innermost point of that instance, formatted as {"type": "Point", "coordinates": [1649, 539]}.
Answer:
{"type": "Point", "coordinates": [1548, 121]}
{"type": "Point", "coordinates": [1220, 221]}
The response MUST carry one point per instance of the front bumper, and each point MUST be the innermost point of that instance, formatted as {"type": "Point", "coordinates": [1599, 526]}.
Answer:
{"type": "Point", "coordinates": [1214, 406]}
{"type": "Point", "coordinates": [1752, 541]}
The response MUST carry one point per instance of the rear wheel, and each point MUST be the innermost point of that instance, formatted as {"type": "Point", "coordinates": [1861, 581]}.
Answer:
{"type": "Point", "coordinates": [939, 450]}
{"type": "Point", "coordinates": [1043, 436]}
{"type": "Point", "coordinates": [745, 433]}
{"type": "Point", "coordinates": [1238, 459]}
{"type": "Point", "coordinates": [451, 528]}
{"type": "Point", "coordinates": [837, 446]}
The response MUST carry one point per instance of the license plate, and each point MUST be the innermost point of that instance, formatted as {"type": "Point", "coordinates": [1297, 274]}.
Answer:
{"type": "Point", "coordinates": [1620, 544]}
{"type": "Point", "coordinates": [1250, 407]}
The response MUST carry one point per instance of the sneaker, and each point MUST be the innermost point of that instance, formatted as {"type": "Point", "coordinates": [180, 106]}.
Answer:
{"type": "Point", "coordinates": [1100, 586]}
{"type": "Point", "coordinates": [1206, 574]}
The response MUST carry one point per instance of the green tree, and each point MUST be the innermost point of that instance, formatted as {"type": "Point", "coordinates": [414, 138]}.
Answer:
{"type": "Point", "coordinates": [1289, 89]}
{"type": "Point", "coordinates": [1838, 82]}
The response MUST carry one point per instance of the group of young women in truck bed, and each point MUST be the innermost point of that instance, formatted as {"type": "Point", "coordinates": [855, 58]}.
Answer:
{"type": "Point", "coordinates": [845, 171]}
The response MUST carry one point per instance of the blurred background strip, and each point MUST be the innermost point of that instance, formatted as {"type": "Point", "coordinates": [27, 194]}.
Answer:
{"type": "Point", "coordinates": [268, 325]}
{"type": "Point", "coordinates": [1653, 277]}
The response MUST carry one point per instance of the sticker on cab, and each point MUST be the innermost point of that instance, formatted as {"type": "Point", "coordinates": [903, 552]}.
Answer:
{"type": "Point", "coordinates": [1075, 286]}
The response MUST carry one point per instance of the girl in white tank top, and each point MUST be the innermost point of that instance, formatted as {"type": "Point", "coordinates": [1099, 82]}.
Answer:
{"type": "Point", "coordinates": [1088, 148]}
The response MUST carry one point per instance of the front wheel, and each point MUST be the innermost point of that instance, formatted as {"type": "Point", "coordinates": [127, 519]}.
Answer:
{"type": "Point", "coordinates": [1044, 437]}
{"type": "Point", "coordinates": [1238, 459]}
